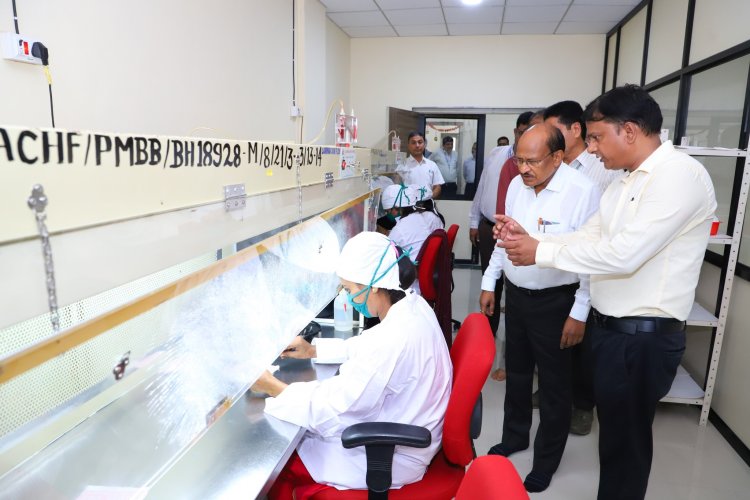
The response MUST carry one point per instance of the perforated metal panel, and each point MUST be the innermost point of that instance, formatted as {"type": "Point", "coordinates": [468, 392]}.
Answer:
{"type": "Point", "coordinates": [52, 384]}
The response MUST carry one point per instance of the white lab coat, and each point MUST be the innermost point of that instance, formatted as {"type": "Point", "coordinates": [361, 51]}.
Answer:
{"type": "Point", "coordinates": [398, 371]}
{"type": "Point", "coordinates": [410, 232]}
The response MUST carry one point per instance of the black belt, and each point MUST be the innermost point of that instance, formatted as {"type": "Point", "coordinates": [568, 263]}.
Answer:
{"type": "Point", "coordinates": [572, 287]}
{"type": "Point", "coordinates": [487, 221]}
{"type": "Point", "coordinates": [638, 324]}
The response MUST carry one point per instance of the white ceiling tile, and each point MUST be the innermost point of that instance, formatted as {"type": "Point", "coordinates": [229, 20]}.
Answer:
{"type": "Point", "coordinates": [570, 28]}
{"type": "Point", "coordinates": [407, 4]}
{"type": "Point", "coordinates": [457, 15]}
{"type": "Point", "coordinates": [485, 3]}
{"type": "Point", "coordinates": [589, 13]}
{"type": "Point", "coordinates": [528, 28]}
{"type": "Point", "coordinates": [474, 29]}
{"type": "Point", "coordinates": [351, 19]}
{"type": "Point", "coordinates": [542, 3]}
{"type": "Point", "coordinates": [422, 30]}
{"type": "Point", "coordinates": [528, 14]}
{"type": "Point", "coordinates": [369, 31]}
{"type": "Point", "coordinates": [632, 3]}
{"type": "Point", "coordinates": [348, 5]}
{"type": "Point", "coordinates": [406, 17]}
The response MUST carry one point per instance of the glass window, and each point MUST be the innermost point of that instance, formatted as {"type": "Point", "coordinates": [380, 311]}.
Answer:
{"type": "Point", "coordinates": [666, 96]}
{"type": "Point", "coordinates": [458, 162]}
{"type": "Point", "coordinates": [666, 38]}
{"type": "Point", "coordinates": [718, 25]}
{"type": "Point", "coordinates": [630, 62]}
{"type": "Point", "coordinates": [717, 97]}
{"type": "Point", "coordinates": [611, 55]}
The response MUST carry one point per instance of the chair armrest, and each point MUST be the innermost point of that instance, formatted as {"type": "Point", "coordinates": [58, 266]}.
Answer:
{"type": "Point", "coordinates": [385, 433]}
{"type": "Point", "coordinates": [380, 439]}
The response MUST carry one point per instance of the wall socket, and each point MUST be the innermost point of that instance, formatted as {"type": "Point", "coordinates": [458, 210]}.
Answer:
{"type": "Point", "coordinates": [18, 48]}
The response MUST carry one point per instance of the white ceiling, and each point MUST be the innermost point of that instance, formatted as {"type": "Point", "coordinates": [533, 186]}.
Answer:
{"type": "Point", "coordinates": [390, 18]}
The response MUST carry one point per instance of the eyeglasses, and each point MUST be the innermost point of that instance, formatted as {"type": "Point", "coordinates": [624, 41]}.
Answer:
{"type": "Point", "coordinates": [530, 162]}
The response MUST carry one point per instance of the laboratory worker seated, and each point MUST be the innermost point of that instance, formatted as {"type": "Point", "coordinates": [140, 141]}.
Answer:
{"type": "Point", "coordinates": [397, 371]}
{"type": "Point", "coordinates": [416, 219]}
{"type": "Point", "coordinates": [395, 197]}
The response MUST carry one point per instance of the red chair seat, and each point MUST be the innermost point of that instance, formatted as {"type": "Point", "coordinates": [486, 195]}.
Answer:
{"type": "Point", "coordinates": [439, 482]}
{"type": "Point", "coordinates": [492, 477]}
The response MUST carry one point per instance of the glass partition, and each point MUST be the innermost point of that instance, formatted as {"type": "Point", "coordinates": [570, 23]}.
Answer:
{"type": "Point", "coordinates": [667, 96]}
{"type": "Point", "coordinates": [666, 38]}
{"type": "Point", "coordinates": [188, 350]}
{"type": "Point", "coordinates": [629, 64]}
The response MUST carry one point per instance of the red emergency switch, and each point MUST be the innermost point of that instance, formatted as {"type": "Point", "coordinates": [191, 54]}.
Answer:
{"type": "Point", "coordinates": [26, 48]}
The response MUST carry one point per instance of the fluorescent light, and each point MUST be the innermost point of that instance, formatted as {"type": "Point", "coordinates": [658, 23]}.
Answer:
{"type": "Point", "coordinates": [471, 2]}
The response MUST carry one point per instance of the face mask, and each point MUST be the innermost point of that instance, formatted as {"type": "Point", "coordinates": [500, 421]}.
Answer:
{"type": "Point", "coordinates": [392, 218]}
{"type": "Point", "coordinates": [361, 308]}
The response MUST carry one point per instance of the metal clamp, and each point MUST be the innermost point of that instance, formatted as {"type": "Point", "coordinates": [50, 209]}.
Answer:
{"type": "Point", "coordinates": [119, 370]}
{"type": "Point", "coordinates": [38, 203]}
{"type": "Point", "coordinates": [234, 197]}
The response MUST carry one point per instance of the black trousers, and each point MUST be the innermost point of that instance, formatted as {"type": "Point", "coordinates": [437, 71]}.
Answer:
{"type": "Point", "coordinates": [582, 374]}
{"type": "Point", "coordinates": [449, 189]}
{"type": "Point", "coordinates": [486, 246]}
{"type": "Point", "coordinates": [632, 372]}
{"type": "Point", "coordinates": [533, 327]}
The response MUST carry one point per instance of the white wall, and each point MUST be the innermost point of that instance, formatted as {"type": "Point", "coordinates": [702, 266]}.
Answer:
{"type": "Point", "coordinates": [504, 71]}
{"type": "Point", "coordinates": [167, 67]}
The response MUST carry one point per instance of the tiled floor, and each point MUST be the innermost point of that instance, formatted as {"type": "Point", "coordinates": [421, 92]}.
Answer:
{"type": "Point", "coordinates": [690, 462]}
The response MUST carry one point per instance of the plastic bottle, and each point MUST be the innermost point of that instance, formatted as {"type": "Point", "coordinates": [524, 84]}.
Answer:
{"type": "Point", "coordinates": [395, 143]}
{"type": "Point", "coordinates": [354, 128]}
{"type": "Point", "coordinates": [342, 313]}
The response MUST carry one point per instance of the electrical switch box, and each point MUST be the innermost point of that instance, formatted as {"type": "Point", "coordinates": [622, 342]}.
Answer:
{"type": "Point", "coordinates": [18, 48]}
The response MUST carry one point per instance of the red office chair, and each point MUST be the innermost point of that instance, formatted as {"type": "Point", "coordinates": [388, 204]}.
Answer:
{"type": "Point", "coordinates": [472, 355]}
{"type": "Point", "coordinates": [452, 231]}
{"type": "Point", "coordinates": [492, 477]}
{"type": "Point", "coordinates": [433, 274]}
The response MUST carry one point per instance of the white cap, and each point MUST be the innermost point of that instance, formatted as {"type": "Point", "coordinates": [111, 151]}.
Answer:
{"type": "Point", "coordinates": [360, 257]}
{"type": "Point", "coordinates": [421, 192]}
{"type": "Point", "coordinates": [391, 198]}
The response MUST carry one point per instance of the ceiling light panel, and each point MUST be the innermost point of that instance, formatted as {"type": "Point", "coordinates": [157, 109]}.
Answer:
{"type": "Point", "coordinates": [456, 15]}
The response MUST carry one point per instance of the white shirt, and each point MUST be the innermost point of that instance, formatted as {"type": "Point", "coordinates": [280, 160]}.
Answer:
{"type": "Point", "coordinates": [411, 231]}
{"type": "Point", "coordinates": [593, 168]}
{"type": "Point", "coordinates": [446, 162]}
{"type": "Point", "coordinates": [485, 199]}
{"type": "Point", "coordinates": [645, 247]}
{"type": "Point", "coordinates": [470, 166]}
{"type": "Point", "coordinates": [424, 174]}
{"type": "Point", "coordinates": [398, 371]}
{"type": "Point", "coordinates": [563, 206]}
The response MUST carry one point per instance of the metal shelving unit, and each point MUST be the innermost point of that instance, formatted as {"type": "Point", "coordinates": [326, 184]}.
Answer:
{"type": "Point", "coordinates": [684, 388]}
